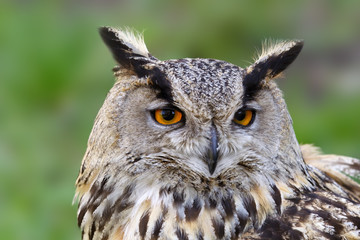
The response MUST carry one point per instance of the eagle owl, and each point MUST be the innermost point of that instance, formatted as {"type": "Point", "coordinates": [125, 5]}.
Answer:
{"type": "Point", "coordinates": [204, 149]}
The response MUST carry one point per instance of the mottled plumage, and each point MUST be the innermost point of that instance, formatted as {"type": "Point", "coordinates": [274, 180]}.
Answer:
{"type": "Point", "coordinates": [203, 149]}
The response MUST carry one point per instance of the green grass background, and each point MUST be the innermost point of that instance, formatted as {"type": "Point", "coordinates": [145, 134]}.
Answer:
{"type": "Point", "coordinates": [55, 73]}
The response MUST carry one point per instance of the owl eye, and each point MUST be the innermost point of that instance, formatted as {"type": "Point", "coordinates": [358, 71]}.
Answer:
{"type": "Point", "coordinates": [244, 117]}
{"type": "Point", "coordinates": [167, 116]}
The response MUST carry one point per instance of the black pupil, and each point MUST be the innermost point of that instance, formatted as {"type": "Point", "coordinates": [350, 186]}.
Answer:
{"type": "Point", "coordinates": [240, 115]}
{"type": "Point", "coordinates": [168, 114]}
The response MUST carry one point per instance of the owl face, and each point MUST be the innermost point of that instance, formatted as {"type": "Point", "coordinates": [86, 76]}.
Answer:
{"type": "Point", "coordinates": [201, 116]}
{"type": "Point", "coordinates": [205, 122]}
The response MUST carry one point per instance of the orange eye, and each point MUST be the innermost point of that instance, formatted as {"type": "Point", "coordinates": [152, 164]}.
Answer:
{"type": "Point", "coordinates": [167, 116]}
{"type": "Point", "coordinates": [244, 117]}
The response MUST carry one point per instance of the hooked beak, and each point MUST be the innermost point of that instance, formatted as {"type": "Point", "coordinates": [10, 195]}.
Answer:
{"type": "Point", "coordinates": [212, 154]}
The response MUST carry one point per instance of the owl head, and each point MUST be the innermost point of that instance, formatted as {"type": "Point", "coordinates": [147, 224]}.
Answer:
{"type": "Point", "coordinates": [190, 127]}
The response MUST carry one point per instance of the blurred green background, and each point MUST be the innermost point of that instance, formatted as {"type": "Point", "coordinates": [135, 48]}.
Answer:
{"type": "Point", "coordinates": [55, 73]}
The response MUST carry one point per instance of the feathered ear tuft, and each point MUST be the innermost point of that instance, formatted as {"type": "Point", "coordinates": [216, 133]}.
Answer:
{"type": "Point", "coordinates": [127, 47]}
{"type": "Point", "coordinates": [277, 56]}
{"type": "Point", "coordinates": [273, 60]}
{"type": "Point", "coordinates": [129, 50]}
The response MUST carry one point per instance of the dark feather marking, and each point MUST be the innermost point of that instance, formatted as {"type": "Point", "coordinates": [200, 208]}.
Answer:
{"type": "Point", "coordinates": [122, 201]}
{"type": "Point", "coordinates": [160, 81]}
{"type": "Point", "coordinates": [92, 231]}
{"type": "Point", "coordinates": [136, 159]}
{"type": "Point", "coordinates": [219, 228]}
{"type": "Point", "coordinates": [250, 206]}
{"type": "Point", "coordinates": [164, 190]}
{"type": "Point", "coordinates": [211, 203]}
{"type": "Point", "coordinates": [157, 228]}
{"type": "Point", "coordinates": [96, 190]}
{"type": "Point", "coordinates": [270, 228]}
{"type": "Point", "coordinates": [355, 220]}
{"type": "Point", "coordinates": [235, 234]}
{"type": "Point", "coordinates": [192, 211]}
{"type": "Point", "coordinates": [276, 195]}
{"type": "Point", "coordinates": [121, 204]}
{"type": "Point", "coordinates": [83, 169]}
{"type": "Point", "coordinates": [143, 224]}
{"type": "Point", "coordinates": [165, 211]}
{"type": "Point", "coordinates": [304, 214]}
{"type": "Point", "coordinates": [81, 216]}
{"type": "Point", "coordinates": [295, 234]}
{"type": "Point", "coordinates": [228, 205]}
{"type": "Point", "coordinates": [279, 229]}
{"type": "Point", "coordinates": [240, 226]}
{"type": "Point", "coordinates": [200, 236]}
{"type": "Point", "coordinates": [106, 215]}
{"type": "Point", "coordinates": [246, 166]}
{"type": "Point", "coordinates": [220, 181]}
{"type": "Point", "coordinates": [98, 194]}
{"type": "Point", "coordinates": [179, 198]}
{"type": "Point", "coordinates": [291, 211]}
{"type": "Point", "coordinates": [295, 200]}
{"type": "Point", "coordinates": [181, 234]}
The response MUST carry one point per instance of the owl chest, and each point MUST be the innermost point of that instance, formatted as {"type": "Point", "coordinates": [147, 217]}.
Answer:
{"type": "Point", "coordinates": [178, 216]}
{"type": "Point", "coordinates": [177, 222]}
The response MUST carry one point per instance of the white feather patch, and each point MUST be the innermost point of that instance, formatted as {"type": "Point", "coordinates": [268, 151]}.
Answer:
{"type": "Point", "coordinates": [274, 48]}
{"type": "Point", "coordinates": [132, 39]}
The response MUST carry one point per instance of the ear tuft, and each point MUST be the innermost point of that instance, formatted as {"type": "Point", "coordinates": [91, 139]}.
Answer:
{"type": "Point", "coordinates": [278, 55]}
{"type": "Point", "coordinates": [127, 47]}
{"type": "Point", "coordinates": [273, 60]}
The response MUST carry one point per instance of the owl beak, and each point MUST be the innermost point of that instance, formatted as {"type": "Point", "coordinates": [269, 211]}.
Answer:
{"type": "Point", "coordinates": [212, 154]}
